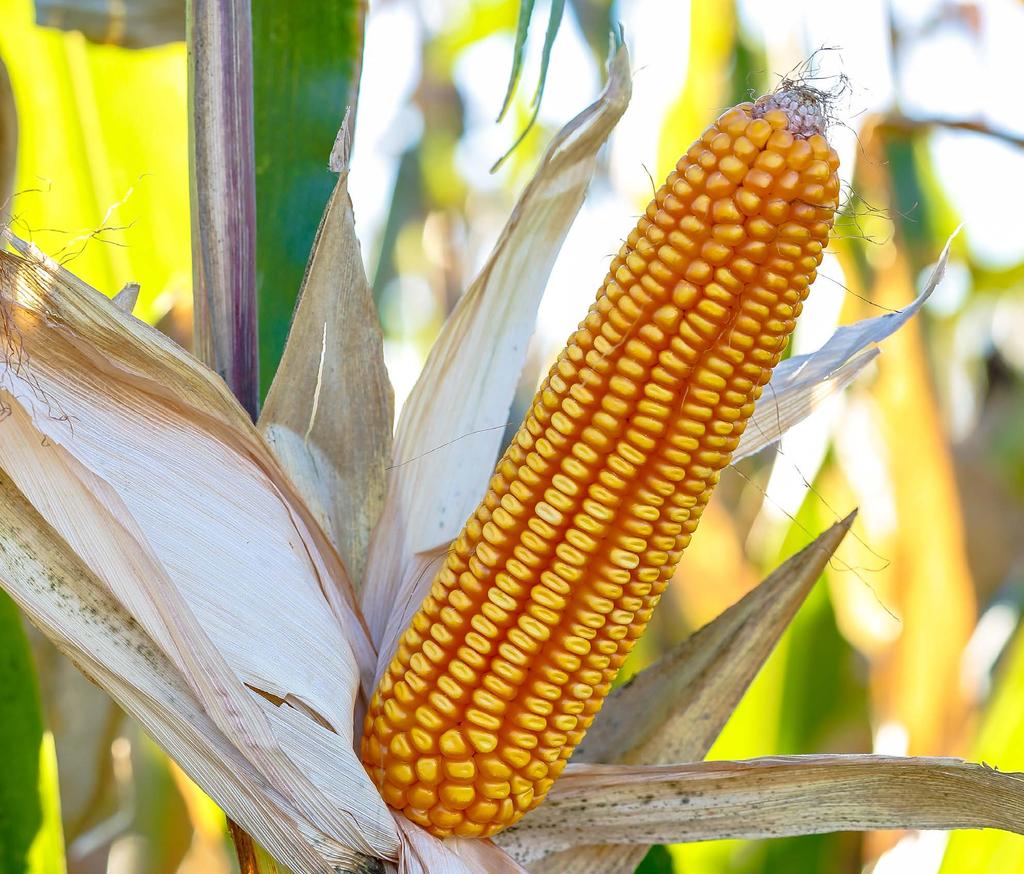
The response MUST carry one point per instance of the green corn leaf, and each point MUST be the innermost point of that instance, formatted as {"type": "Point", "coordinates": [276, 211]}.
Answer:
{"type": "Point", "coordinates": [554, 21]}
{"type": "Point", "coordinates": [306, 60]}
{"type": "Point", "coordinates": [518, 54]}
{"type": "Point", "coordinates": [31, 841]}
{"type": "Point", "coordinates": [657, 861]}
{"type": "Point", "coordinates": [1001, 740]}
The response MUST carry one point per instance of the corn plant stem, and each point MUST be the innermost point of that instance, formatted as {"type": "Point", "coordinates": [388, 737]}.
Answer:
{"type": "Point", "coordinates": [222, 184]}
{"type": "Point", "coordinates": [223, 193]}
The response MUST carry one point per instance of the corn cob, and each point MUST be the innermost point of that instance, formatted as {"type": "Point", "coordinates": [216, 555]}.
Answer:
{"type": "Point", "coordinates": [556, 574]}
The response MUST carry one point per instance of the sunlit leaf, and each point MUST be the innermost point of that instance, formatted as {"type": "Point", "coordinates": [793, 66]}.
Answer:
{"type": "Point", "coordinates": [208, 850]}
{"type": "Point", "coordinates": [30, 830]}
{"type": "Point", "coordinates": [103, 134]}
{"type": "Point", "coordinates": [1001, 739]}
{"type": "Point", "coordinates": [306, 61]}
{"type": "Point", "coordinates": [28, 840]}
{"type": "Point", "coordinates": [155, 806]}
{"type": "Point", "coordinates": [84, 723]}
{"type": "Point", "coordinates": [46, 855]}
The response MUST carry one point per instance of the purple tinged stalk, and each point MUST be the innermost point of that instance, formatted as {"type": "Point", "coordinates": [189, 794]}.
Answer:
{"type": "Point", "coordinates": [223, 193]}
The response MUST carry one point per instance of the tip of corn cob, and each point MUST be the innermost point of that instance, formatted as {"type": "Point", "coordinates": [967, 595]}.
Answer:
{"type": "Point", "coordinates": [805, 108]}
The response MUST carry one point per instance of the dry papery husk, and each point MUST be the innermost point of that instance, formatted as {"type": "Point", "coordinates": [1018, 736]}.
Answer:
{"type": "Point", "coordinates": [151, 533]}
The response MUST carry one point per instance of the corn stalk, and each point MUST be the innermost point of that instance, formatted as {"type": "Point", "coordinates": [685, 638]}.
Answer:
{"type": "Point", "coordinates": [223, 197]}
{"type": "Point", "coordinates": [223, 190]}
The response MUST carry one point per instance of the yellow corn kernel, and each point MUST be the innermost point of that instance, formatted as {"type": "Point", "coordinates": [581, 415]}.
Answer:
{"type": "Point", "coordinates": [557, 572]}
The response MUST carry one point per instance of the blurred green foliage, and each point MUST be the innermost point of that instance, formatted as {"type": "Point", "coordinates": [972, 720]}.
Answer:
{"type": "Point", "coordinates": [31, 840]}
{"type": "Point", "coordinates": [102, 181]}
{"type": "Point", "coordinates": [1000, 740]}
{"type": "Point", "coordinates": [306, 59]}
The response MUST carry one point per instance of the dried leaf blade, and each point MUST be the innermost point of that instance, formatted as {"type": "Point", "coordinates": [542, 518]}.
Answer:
{"type": "Point", "coordinates": [799, 384]}
{"type": "Point", "coordinates": [60, 595]}
{"type": "Point", "coordinates": [674, 710]}
{"type": "Point", "coordinates": [162, 491]}
{"type": "Point", "coordinates": [770, 797]}
{"type": "Point", "coordinates": [330, 409]}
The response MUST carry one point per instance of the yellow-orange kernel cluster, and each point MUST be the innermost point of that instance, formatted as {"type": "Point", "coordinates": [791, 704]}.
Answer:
{"type": "Point", "coordinates": [556, 574]}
